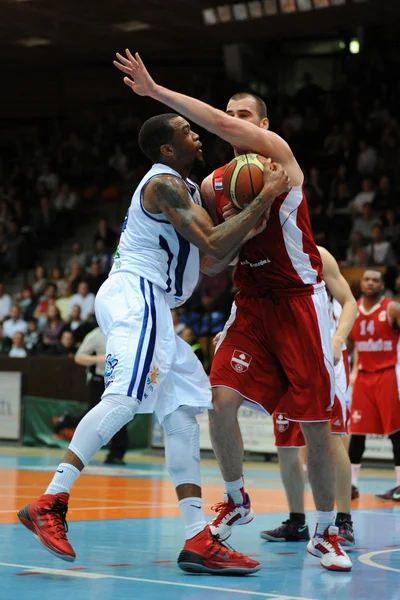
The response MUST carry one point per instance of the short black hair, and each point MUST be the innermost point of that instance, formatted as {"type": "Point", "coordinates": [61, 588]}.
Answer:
{"type": "Point", "coordinates": [154, 133]}
{"type": "Point", "coordinates": [261, 106]}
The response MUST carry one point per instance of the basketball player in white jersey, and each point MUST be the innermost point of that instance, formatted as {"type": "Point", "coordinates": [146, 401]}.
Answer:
{"type": "Point", "coordinates": [289, 438]}
{"type": "Point", "coordinates": [148, 367]}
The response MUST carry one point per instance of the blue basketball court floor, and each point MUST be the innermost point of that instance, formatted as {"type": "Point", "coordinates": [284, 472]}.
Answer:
{"type": "Point", "coordinates": [126, 530]}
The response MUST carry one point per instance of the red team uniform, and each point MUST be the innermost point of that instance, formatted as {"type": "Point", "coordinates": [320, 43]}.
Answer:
{"type": "Point", "coordinates": [287, 433]}
{"type": "Point", "coordinates": [375, 407]}
{"type": "Point", "coordinates": [276, 345]}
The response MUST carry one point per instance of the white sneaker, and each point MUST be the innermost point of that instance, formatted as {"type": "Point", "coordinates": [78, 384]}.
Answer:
{"type": "Point", "coordinates": [327, 548]}
{"type": "Point", "coordinates": [228, 515]}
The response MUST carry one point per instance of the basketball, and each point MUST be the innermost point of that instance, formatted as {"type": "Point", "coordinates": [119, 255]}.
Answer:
{"type": "Point", "coordinates": [243, 179]}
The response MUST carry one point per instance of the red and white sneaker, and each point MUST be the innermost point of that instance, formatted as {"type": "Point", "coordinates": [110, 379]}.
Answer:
{"type": "Point", "coordinates": [327, 548]}
{"type": "Point", "coordinates": [204, 553]}
{"type": "Point", "coordinates": [228, 515]}
{"type": "Point", "coordinates": [46, 519]}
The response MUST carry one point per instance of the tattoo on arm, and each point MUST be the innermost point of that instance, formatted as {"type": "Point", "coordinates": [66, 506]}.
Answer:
{"type": "Point", "coordinates": [173, 202]}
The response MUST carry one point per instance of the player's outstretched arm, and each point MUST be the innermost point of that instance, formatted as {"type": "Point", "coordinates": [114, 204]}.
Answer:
{"type": "Point", "coordinates": [340, 290]}
{"type": "Point", "coordinates": [394, 313]}
{"type": "Point", "coordinates": [168, 194]}
{"type": "Point", "coordinates": [237, 132]}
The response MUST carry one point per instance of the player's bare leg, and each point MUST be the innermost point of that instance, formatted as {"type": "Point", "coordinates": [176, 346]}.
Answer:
{"type": "Point", "coordinates": [322, 476]}
{"type": "Point", "coordinates": [343, 491]}
{"type": "Point", "coordinates": [292, 475]}
{"type": "Point", "coordinates": [226, 439]}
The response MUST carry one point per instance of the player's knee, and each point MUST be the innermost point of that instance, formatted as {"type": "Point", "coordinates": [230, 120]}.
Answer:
{"type": "Point", "coordinates": [226, 403]}
{"type": "Point", "coordinates": [316, 432]}
{"type": "Point", "coordinates": [182, 445]}
{"type": "Point", "coordinates": [121, 410]}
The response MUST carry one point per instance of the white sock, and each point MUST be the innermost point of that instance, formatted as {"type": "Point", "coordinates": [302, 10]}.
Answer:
{"type": "Point", "coordinates": [193, 516]}
{"type": "Point", "coordinates": [63, 479]}
{"type": "Point", "coordinates": [397, 469]}
{"type": "Point", "coordinates": [235, 489]}
{"type": "Point", "coordinates": [324, 520]}
{"type": "Point", "coordinates": [355, 471]}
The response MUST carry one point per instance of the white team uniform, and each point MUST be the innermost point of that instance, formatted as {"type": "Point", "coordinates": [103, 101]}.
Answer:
{"type": "Point", "coordinates": [154, 269]}
{"type": "Point", "coordinates": [341, 380]}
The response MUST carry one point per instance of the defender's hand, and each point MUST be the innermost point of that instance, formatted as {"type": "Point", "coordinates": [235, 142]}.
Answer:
{"type": "Point", "coordinates": [139, 80]}
{"type": "Point", "coordinates": [276, 180]}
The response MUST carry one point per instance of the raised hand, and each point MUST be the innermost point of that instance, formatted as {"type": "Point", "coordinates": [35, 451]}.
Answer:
{"type": "Point", "coordinates": [139, 79]}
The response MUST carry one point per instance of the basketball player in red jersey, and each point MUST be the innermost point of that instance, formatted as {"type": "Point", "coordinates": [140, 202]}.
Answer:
{"type": "Point", "coordinates": [375, 407]}
{"type": "Point", "coordinates": [276, 343]}
{"type": "Point", "coordinates": [288, 435]}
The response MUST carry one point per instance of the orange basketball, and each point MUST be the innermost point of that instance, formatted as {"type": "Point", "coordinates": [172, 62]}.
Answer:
{"type": "Point", "coordinates": [243, 179]}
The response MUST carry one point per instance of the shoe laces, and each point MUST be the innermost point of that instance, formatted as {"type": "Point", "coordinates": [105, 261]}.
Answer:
{"type": "Point", "coordinates": [333, 541]}
{"type": "Point", "coordinates": [222, 509]}
{"type": "Point", "coordinates": [58, 512]}
{"type": "Point", "coordinates": [217, 544]}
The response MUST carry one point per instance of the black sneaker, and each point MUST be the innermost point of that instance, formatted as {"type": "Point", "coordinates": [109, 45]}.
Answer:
{"type": "Point", "coordinates": [346, 532]}
{"type": "Point", "coordinates": [289, 531]}
{"type": "Point", "coordinates": [392, 495]}
{"type": "Point", "coordinates": [355, 494]}
{"type": "Point", "coordinates": [113, 460]}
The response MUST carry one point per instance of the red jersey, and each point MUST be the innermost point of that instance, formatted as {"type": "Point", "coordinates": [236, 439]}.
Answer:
{"type": "Point", "coordinates": [284, 255]}
{"type": "Point", "coordinates": [374, 337]}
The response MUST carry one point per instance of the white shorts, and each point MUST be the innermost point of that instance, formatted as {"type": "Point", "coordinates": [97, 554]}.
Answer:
{"type": "Point", "coordinates": [145, 359]}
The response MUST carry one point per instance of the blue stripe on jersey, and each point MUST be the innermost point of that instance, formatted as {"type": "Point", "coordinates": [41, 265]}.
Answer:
{"type": "Point", "coordinates": [183, 255]}
{"type": "Point", "coordinates": [141, 340]}
{"type": "Point", "coordinates": [164, 246]}
{"type": "Point", "coordinates": [150, 349]}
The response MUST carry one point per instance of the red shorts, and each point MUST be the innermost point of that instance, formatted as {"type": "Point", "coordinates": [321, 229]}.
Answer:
{"type": "Point", "coordinates": [288, 434]}
{"type": "Point", "coordinates": [375, 405]}
{"type": "Point", "coordinates": [277, 349]}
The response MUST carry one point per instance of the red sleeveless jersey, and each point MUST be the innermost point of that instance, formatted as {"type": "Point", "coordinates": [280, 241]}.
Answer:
{"type": "Point", "coordinates": [284, 255]}
{"type": "Point", "coordinates": [374, 337]}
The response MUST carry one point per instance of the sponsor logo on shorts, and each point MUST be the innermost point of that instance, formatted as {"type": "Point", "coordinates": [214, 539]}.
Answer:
{"type": "Point", "coordinates": [111, 363]}
{"type": "Point", "coordinates": [382, 316]}
{"type": "Point", "coordinates": [151, 381]}
{"type": "Point", "coordinates": [240, 361]}
{"type": "Point", "coordinates": [338, 423]}
{"type": "Point", "coordinates": [282, 423]}
{"type": "Point", "coordinates": [356, 416]}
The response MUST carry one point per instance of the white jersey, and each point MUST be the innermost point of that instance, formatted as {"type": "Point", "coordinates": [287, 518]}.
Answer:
{"type": "Point", "coordinates": [150, 246]}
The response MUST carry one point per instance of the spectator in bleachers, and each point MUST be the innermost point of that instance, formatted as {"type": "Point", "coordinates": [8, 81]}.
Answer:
{"type": "Point", "coordinates": [366, 196]}
{"type": "Point", "coordinates": [57, 277]}
{"type": "Point", "coordinates": [320, 223]}
{"type": "Point", "coordinates": [356, 255]}
{"type": "Point", "coordinates": [379, 251]}
{"type": "Point", "coordinates": [48, 178]}
{"type": "Point", "coordinates": [18, 349]}
{"type": "Point", "coordinates": [13, 248]}
{"type": "Point", "coordinates": [75, 277]}
{"type": "Point", "coordinates": [77, 256]}
{"type": "Point", "coordinates": [101, 256]}
{"type": "Point", "coordinates": [63, 303]}
{"type": "Point", "coordinates": [45, 301]}
{"type": "Point", "coordinates": [65, 347]}
{"type": "Point", "coordinates": [106, 234]}
{"type": "Point", "coordinates": [85, 300]}
{"type": "Point", "coordinates": [5, 304]}
{"type": "Point", "coordinates": [39, 280]}
{"type": "Point", "coordinates": [188, 335]}
{"type": "Point", "coordinates": [119, 161]}
{"type": "Point", "coordinates": [14, 323]}
{"type": "Point", "coordinates": [95, 277]}
{"type": "Point", "coordinates": [74, 320]}
{"type": "Point", "coordinates": [385, 197]}
{"type": "Point", "coordinates": [26, 302]}
{"type": "Point", "coordinates": [53, 327]}
{"type": "Point", "coordinates": [65, 199]}
{"type": "Point", "coordinates": [32, 337]}
{"type": "Point", "coordinates": [5, 342]}
{"type": "Point", "coordinates": [363, 224]}
{"type": "Point", "coordinates": [391, 229]}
